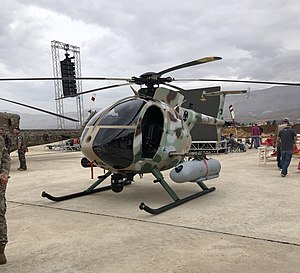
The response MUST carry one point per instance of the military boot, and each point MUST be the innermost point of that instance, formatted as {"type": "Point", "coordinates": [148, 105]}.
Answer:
{"type": "Point", "coordinates": [2, 255]}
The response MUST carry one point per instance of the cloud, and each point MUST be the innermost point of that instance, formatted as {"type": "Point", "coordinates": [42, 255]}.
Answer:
{"type": "Point", "coordinates": [257, 40]}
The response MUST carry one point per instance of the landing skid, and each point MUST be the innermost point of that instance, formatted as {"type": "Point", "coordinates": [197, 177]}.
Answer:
{"type": "Point", "coordinates": [73, 195]}
{"type": "Point", "coordinates": [88, 191]}
{"type": "Point", "coordinates": [114, 186]}
{"type": "Point", "coordinates": [177, 200]}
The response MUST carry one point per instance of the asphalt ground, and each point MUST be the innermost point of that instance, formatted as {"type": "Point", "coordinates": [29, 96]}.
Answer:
{"type": "Point", "coordinates": [251, 223]}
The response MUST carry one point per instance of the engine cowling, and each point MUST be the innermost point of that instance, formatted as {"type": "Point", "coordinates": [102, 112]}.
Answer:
{"type": "Point", "coordinates": [196, 170]}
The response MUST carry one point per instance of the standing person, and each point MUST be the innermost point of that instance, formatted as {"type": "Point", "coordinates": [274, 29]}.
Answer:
{"type": "Point", "coordinates": [287, 137]}
{"type": "Point", "coordinates": [261, 130]}
{"type": "Point", "coordinates": [256, 136]}
{"type": "Point", "coordinates": [7, 140]}
{"type": "Point", "coordinates": [22, 148]}
{"type": "Point", "coordinates": [278, 150]}
{"type": "Point", "coordinates": [252, 139]}
{"type": "Point", "coordinates": [4, 172]}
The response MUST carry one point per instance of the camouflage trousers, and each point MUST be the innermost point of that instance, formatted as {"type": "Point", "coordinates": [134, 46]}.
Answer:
{"type": "Point", "coordinates": [3, 226]}
{"type": "Point", "coordinates": [22, 159]}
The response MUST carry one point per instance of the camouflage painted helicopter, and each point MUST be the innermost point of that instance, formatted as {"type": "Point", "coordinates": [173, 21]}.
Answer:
{"type": "Point", "coordinates": [149, 132]}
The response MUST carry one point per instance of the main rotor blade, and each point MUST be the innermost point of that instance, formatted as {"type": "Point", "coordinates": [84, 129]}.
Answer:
{"type": "Point", "coordinates": [188, 64]}
{"type": "Point", "coordinates": [52, 79]}
{"type": "Point", "coordinates": [239, 81]}
{"type": "Point", "coordinates": [97, 89]}
{"type": "Point", "coordinates": [39, 109]}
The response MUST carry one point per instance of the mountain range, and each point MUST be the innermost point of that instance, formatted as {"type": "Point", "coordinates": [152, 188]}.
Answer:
{"type": "Point", "coordinates": [269, 104]}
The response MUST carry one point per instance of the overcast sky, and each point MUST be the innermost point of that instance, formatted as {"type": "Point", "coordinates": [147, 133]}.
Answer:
{"type": "Point", "coordinates": [258, 40]}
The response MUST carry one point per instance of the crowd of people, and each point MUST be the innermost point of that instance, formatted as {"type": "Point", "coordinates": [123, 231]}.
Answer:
{"type": "Point", "coordinates": [284, 141]}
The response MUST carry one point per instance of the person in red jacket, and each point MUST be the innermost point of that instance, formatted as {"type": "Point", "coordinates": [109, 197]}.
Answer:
{"type": "Point", "coordinates": [255, 136]}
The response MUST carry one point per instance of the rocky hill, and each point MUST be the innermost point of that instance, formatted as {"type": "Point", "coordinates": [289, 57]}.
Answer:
{"type": "Point", "coordinates": [267, 104]}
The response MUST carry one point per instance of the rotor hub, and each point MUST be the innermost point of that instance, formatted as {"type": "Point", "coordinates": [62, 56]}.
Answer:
{"type": "Point", "coordinates": [151, 79]}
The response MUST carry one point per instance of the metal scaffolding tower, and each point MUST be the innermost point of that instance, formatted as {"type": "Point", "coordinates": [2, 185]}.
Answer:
{"type": "Point", "coordinates": [56, 47]}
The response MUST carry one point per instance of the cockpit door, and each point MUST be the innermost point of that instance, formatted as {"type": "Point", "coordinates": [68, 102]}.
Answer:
{"type": "Point", "coordinates": [152, 129]}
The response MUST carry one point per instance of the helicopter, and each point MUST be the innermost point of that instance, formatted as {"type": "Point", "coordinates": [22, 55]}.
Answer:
{"type": "Point", "coordinates": [148, 132]}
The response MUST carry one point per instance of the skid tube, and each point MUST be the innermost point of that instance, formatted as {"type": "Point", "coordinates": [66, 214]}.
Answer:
{"type": "Point", "coordinates": [174, 196]}
{"type": "Point", "coordinates": [88, 191]}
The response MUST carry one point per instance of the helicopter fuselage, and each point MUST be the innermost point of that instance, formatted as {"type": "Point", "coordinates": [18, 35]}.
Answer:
{"type": "Point", "coordinates": [134, 135]}
{"type": "Point", "coordinates": [137, 134]}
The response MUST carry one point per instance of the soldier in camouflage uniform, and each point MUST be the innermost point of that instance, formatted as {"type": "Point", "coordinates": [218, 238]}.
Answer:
{"type": "Point", "coordinates": [22, 148]}
{"type": "Point", "coordinates": [4, 172]}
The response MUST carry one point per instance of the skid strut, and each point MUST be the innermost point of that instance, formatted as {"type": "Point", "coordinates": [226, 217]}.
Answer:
{"type": "Point", "coordinates": [89, 190]}
{"type": "Point", "coordinates": [174, 196]}
{"type": "Point", "coordinates": [117, 186]}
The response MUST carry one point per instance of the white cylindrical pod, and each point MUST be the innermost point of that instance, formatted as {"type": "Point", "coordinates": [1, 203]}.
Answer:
{"type": "Point", "coordinates": [196, 170]}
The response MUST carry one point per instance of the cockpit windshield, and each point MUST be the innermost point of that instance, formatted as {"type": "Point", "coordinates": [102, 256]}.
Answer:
{"type": "Point", "coordinates": [113, 143]}
{"type": "Point", "coordinates": [114, 146]}
{"type": "Point", "coordinates": [124, 113]}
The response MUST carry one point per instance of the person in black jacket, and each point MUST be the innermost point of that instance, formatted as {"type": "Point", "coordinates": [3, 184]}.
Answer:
{"type": "Point", "coordinates": [287, 138]}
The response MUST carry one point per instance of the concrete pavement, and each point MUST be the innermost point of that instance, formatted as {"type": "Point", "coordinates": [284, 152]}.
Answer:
{"type": "Point", "coordinates": [249, 224]}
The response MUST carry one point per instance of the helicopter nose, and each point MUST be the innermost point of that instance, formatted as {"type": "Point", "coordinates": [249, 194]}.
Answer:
{"type": "Point", "coordinates": [179, 168]}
